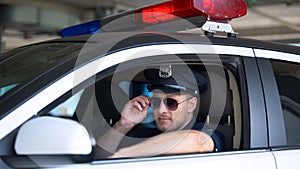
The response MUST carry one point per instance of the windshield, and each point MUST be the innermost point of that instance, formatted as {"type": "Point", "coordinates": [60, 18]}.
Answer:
{"type": "Point", "coordinates": [24, 64]}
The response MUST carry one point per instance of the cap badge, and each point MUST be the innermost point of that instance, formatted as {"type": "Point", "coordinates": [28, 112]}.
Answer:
{"type": "Point", "coordinates": [165, 71]}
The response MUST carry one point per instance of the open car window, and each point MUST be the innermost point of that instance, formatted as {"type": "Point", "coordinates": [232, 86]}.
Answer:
{"type": "Point", "coordinates": [220, 106]}
{"type": "Point", "coordinates": [99, 103]}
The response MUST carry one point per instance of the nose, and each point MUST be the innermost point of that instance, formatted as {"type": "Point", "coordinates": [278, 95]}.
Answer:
{"type": "Point", "coordinates": [162, 108]}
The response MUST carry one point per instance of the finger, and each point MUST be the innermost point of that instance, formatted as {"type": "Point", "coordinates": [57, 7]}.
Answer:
{"type": "Point", "coordinates": [137, 105]}
{"type": "Point", "coordinates": [146, 99]}
{"type": "Point", "coordinates": [146, 109]}
{"type": "Point", "coordinates": [139, 101]}
{"type": "Point", "coordinates": [143, 100]}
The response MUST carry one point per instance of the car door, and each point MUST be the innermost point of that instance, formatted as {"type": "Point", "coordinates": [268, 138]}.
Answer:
{"type": "Point", "coordinates": [250, 142]}
{"type": "Point", "coordinates": [280, 78]}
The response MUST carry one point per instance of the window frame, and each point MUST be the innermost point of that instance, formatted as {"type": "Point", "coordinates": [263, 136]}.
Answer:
{"type": "Point", "coordinates": [245, 137]}
{"type": "Point", "coordinates": [226, 58]}
{"type": "Point", "coordinates": [276, 129]}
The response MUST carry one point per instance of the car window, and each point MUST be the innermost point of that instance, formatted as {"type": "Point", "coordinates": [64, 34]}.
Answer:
{"type": "Point", "coordinates": [5, 89]}
{"type": "Point", "coordinates": [100, 103]}
{"type": "Point", "coordinates": [287, 76]}
{"type": "Point", "coordinates": [68, 107]}
{"type": "Point", "coordinates": [17, 68]}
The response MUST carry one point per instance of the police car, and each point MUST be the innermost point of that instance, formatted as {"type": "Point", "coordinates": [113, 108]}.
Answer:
{"type": "Point", "coordinates": [57, 97]}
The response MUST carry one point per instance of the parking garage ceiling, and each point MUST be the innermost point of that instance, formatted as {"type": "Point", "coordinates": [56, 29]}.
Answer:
{"type": "Point", "coordinates": [29, 21]}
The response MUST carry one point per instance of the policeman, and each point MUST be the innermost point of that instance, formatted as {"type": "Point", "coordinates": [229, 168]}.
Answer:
{"type": "Point", "coordinates": [174, 102]}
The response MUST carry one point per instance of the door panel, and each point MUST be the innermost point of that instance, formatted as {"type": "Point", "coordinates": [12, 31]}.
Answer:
{"type": "Point", "coordinates": [287, 159]}
{"type": "Point", "coordinates": [237, 160]}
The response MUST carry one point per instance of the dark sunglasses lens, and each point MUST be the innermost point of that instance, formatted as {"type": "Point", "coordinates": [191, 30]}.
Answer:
{"type": "Point", "coordinates": [171, 104]}
{"type": "Point", "coordinates": [155, 102]}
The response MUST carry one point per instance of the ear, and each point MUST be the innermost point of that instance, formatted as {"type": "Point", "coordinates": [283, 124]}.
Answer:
{"type": "Point", "coordinates": [192, 104]}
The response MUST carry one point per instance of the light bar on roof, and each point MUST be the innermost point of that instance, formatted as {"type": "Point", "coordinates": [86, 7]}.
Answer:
{"type": "Point", "coordinates": [219, 11]}
{"type": "Point", "coordinates": [85, 28]}
{"type": "Point", "coordinates": [215, 10]}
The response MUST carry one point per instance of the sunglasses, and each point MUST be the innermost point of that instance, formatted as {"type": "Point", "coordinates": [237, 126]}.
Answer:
{"type": "Point", "coordinates": [170, 103]}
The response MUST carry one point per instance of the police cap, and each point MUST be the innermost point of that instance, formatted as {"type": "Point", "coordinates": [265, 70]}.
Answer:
{"type": "Point", "coordinates": [175, 79]}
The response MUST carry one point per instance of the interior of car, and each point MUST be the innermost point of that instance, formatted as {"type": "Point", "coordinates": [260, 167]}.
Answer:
{"type": "Point", "coordinates": [220, 105]}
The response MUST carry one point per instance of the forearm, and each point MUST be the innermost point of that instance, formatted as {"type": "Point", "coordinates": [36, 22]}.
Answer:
{"type": "Point", "coordinates": [133, 113]}
{"type": "Point", "coordinates": [170, 143]}
{"type": "Point", "coordinates": [109, 141]}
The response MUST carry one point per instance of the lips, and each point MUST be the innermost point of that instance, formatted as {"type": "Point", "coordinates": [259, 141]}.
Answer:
{"type": "Point", "coordinates": [164, 118]}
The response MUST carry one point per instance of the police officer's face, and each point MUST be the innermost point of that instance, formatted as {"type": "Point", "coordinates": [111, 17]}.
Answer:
{"type": "Point", "coordinates": [172, 111]}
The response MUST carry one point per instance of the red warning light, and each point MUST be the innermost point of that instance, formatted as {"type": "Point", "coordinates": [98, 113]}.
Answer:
{"type": "Point", "coordinates": [216, 10]}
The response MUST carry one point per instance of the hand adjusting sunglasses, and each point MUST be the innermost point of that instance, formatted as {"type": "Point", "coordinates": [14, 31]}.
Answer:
{"type": "Point", "coordinates": [170, 103]}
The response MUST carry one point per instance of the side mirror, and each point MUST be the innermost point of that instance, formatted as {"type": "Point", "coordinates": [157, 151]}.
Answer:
{"type": "Point", "coordinates": [53, 136]}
